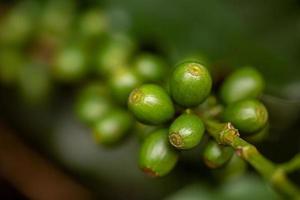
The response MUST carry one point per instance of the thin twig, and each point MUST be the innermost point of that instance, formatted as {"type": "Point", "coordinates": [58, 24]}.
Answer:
{"type": "Point", "coordinates": [292, 165]}
{"type": "Point", "coordinates": [226, 134]}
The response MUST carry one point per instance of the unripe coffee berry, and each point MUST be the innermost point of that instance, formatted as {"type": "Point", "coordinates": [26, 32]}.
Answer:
{"type": "Point", "coordinates": [215, 155]}
{"type": "Point", "coordinates": [70, 65]}
{"type": "Point", "coordinates": [112, 127]}
{"type": "Point", "coordinates": [248, 116]}
{"type": "Point", "coordinates": [92, 103]}
{"type": "Point", "coordinates": [115, 53]}
{"type": "Point", "coordinates": [150, 104]}
{"type": "Point", "coordinates": [186, 131]}
{"type": "Point", "coordinates": [122, 82]}
{"type": "Point", "coordinates": [242, 84]}
{"type": "Point", "coordinates": [92, 23]}
{"type": "Point", "coordinates": [151, 68]}
{"type": "Point", "coordinates": [190, 84]}
{"type": "Point", "coordinates": [157, 156]}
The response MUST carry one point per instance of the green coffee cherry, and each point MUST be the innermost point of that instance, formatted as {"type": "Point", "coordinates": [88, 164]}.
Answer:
{"type": "Point", "coordinates": [92, 23]}
{"type": "Point", "coordinates": [186, 131]}
{"type": "Point", "coordinates": [70, 65]}
{"type": "Point", "coordinates": [248, 116]}
{"type": "Point", "coordinates": [112, 127]}
{"type": "Point", "coordinates": [150, 104]}
{"type": "Point", "coordinates": [114, 54]}
{"type": "Point", "coordinates": [242, 84]}
{"type": "Point", "coordinates": [190, 84]}
{"type": "Point", "coordinates": [92, 103]}
{"type": "Point", "coordinates": [215, 155]}
{"type": "Point", "coordinates": [18, 24]}
{"type": "Point", "coordinates": [122, 82]}
{"type": "Point", "coordinates": [157, 157]}
{"type": "Point", "coordinates": [151, 68]}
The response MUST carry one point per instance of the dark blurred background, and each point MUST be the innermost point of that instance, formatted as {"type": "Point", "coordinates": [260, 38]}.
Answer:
{"type": "Point", "coordinates": [230, 34]}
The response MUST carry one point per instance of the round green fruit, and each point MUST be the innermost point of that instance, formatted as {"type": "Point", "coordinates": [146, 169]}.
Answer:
{"type": "Point", "coordinates": [70, 65]}
{"type": "Point", "coordinates": [190, 84]}
{"type": "Point", "coordinates": [248, 116]}
{"type": "Point", "coordinates": [18, 23]}
{"type": "Point", "coordinates": [122, 82]}
{"type": "Point", "coordinates": [92, 103]}
{"type": "Point", "coordinates": [242, 84]}
{"type": "Point", "coordinates": [114, 54]}
{"type": "Point", "coordinates": [186, 131]}
{"type": "Point", "coordinates": [157, 156]}
{"type": "Point", "coordinates": [112, 127]}
{"type": "Point", "coordinates": [151, 105]}
{"type": "Point", "coordinates": [215, 155]}
{"type": "Point", "coordinates": [151, 68]}
{"type": "Point", "coordinates": [92, 23]}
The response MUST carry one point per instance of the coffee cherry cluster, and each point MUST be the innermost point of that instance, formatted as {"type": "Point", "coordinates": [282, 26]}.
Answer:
{"type": "Point", "coordinates": [46, 44]}
{"type": "Point", "coordinates": [175, 110]}
{"type": "Point", "coordinates": [103, 105]}
{"type": "Point", "coordinates": [126, 89]}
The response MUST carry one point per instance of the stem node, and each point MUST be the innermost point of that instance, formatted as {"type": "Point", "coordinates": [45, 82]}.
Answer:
{"type": "Point", "coordinates": [226, 134]}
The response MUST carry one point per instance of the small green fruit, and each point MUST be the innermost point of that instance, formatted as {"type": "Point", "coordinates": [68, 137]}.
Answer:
{"type": "Point", "coordinates": [92, 23]}
{"type": "Point", "coordinates": [151, 68]}
{"type": "Point", "coordinates": [190, 84]}
{"type": "Point", "coordinates": [18, 23]}
{"type": "Point", "coordinates": [70, 65]}
{"type": "Point", "coordinates": [92, 103]}
{"type": "Point", "coordinates": [186, 131]}
{"type": "Point", "coordinates": [112, 127]}
{"type": "Point", "coordinates": [215, 155]}
{"type": "Point", "coordinates": [114, 54]}
{"type": "Point", "coordinates": [157, 157]}
{"type": "Point", "coordinates": [248, 116]}
{"type": "Point", "coordinates": [242, 84]}
{"type": "Point", "coordinates": [151, 105]}
{"type": "Point", "coordinates": [122, 82]}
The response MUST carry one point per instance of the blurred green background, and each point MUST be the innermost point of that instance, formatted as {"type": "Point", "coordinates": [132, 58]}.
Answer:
{"type": "Point", "coordinates": [229, 34]}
